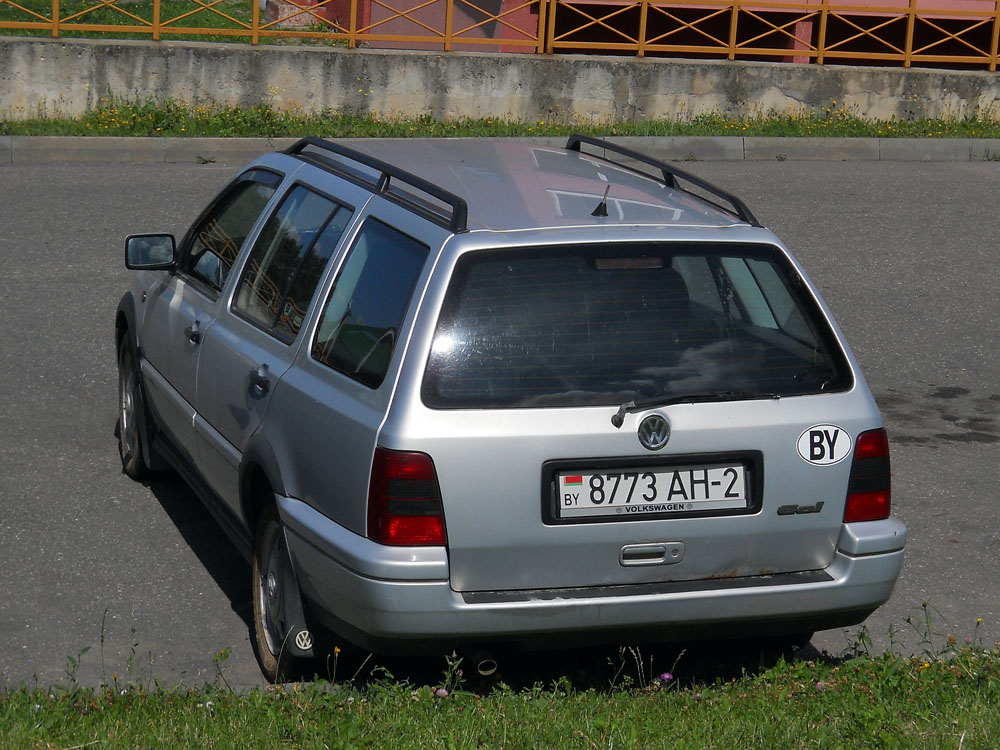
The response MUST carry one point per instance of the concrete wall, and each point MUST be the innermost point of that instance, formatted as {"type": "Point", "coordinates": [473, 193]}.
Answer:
{"type": "Point", "coordinates": [70, 77]}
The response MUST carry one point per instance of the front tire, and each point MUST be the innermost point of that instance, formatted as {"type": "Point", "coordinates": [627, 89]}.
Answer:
{"type": "Point", "coordinates": [273, 587]}
{"type": "Point", "coordinates": [132, 435]}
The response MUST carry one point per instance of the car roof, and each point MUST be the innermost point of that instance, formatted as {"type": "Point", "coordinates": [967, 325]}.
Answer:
{"type": "Point", "coordinates": [511, 185]}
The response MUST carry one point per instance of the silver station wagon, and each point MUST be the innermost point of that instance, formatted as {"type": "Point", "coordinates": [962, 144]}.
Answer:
{"type": "Point", "coordinates": [476, 393]}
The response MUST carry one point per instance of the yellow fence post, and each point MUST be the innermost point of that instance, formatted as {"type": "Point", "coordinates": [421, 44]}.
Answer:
{"type": "Point", "coordinates": [550, 37]}
{"type": "Point", "coordinates": [543, 6]}
{"type": "Point", "coordinates": [448, 20]}
{"type": "Point", "coordinates": [156, 20]}
{"type": "Point", "coordinates": [911, 21]}
{"type": "Point", "coordinates": [734, 22]}
{"type": "Point", "coordinates": [821, 41]}
{"type": "Point", "coordinates": [643, 15]}
{"type": "Point", "coordinates": [255, 23]}
{"type": "Point", "coordinates": [996, 36]}
{"type": "Point", "coordinates": [55, 19]}
{"type": "Point", "coordinates": [352, 31]}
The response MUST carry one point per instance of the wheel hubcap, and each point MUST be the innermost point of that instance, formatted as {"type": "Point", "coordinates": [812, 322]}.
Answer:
{"type": "Point", "coordinates": [128, 415]}
{"type": "Point", "coordinates": [272, 586]}
{"type": "Point", "coordinates": [272, 616]}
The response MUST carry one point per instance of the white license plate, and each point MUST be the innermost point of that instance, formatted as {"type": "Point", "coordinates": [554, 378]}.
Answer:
{"type": "Point", "coordinates": [634, 493]}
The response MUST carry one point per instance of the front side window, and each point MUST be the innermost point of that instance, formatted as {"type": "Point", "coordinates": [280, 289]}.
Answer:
{"type": "Point", "coordinates": [218, 236]}
{"type": "Point", "coordinates": [287, 261]}
{"type": "Point", "coordinates": [360, 323]}
{"type": "Point", "coordinates": [588, 325]}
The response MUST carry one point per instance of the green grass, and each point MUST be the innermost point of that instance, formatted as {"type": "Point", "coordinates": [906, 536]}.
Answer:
{"type": "Point", "coordinates": [121, 118]}
{"type": "Point", "coordinates": [93, 12]}
{"type": "Point", "coordinates": [232, 15]}
{"type": "Point", "coordinates": [883, 701]}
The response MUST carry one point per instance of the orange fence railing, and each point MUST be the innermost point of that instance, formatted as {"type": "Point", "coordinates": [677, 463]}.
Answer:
{"type": "Point", "coordinates": [908, 32]}
{"type": "Point", "coordinates": [945, 33]}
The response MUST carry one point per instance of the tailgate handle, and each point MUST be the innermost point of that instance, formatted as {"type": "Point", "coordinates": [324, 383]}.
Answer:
{"type": "Point", "coordinates": [654, 553]}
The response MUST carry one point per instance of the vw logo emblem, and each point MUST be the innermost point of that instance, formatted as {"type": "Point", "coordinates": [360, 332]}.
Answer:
{"type": "Point", "coordinates": [654, 432]}
{"type": "Point", "coordinates": [304, 640]}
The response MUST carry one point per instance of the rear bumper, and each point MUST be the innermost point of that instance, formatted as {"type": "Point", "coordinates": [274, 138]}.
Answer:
{"type": "Point", "coordinates": [382, 597]}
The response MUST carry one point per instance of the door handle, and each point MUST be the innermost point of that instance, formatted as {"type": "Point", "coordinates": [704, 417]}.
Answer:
{"type": "Point", "coordinates": [193, 332]}
{"type": "Point", "coordinates": [656, 553]}
{"type": "Point", "coordinates": [260, 382]}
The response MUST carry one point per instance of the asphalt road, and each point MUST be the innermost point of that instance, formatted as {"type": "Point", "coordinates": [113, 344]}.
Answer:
{"type": "Point", "coordinates": [904, 253]}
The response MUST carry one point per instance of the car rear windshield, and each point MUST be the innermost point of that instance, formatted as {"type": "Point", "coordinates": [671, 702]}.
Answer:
{"type": "Point", "coordinates": [602, 325]}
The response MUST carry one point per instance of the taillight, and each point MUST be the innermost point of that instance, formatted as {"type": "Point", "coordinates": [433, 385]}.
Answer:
{"type": "Point", "coordinates": [869, 491]}
{"type": "Point", "coordinates": [404, 502]}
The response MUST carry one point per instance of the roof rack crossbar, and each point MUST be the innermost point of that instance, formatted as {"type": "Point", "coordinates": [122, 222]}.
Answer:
{"type": "Point", "coordinates": [458, 219]}
{"type": "Point", "coordinates": [670, 174]}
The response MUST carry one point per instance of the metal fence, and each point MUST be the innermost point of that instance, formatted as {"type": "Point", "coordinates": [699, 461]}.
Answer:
{"type": "Point", "coordinates": [941, 33]}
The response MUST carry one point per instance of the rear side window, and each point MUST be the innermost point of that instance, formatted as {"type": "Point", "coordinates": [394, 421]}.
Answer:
{"type": "Point", "coordinates": [591, 325]}
{"type": "Point", "coordinates": [217, 237]}
{"type": "Point", "coordinates": [359, 326]}
{"type": "Point", "coordinates": [287, 260]}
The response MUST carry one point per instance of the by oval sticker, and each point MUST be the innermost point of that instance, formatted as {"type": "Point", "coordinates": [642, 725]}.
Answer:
{"type": "Point", "coordinates": [825, 444]}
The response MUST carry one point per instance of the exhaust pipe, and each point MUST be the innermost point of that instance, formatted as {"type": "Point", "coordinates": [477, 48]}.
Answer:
{"type": "Point", "coordinates": [484, 662]}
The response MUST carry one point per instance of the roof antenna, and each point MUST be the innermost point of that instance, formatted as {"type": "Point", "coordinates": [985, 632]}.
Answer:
{"type": "Point", "coordinates": [602, 207]}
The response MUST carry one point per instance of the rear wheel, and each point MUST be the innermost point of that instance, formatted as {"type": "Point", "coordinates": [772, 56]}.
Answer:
{"type": "Point", "coordinates": [132, 433]}
{"type": "Point", "coordinates": [275, 593]}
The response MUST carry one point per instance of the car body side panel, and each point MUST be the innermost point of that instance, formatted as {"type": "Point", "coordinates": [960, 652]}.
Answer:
{"type": "Point", "coordinates": [228, 401]}
{"type": "Point", "coordinates": [172, 305]}
{"type": "Point", "coordinates": [329, 423]}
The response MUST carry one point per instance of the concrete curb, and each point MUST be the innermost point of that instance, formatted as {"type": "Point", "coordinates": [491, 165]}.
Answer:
{"type": "Point", "coordinates": [26, 150]}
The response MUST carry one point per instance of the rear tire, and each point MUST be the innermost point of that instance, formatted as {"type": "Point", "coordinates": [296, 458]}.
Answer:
{"type": "Point", "coordinates": [132, 434]}
{"type": "Point", "coordinates": [272, 573]}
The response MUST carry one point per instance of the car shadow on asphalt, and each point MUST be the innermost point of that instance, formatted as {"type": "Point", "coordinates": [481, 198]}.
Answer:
{"type": "Point", "coordinates": [219, 556]}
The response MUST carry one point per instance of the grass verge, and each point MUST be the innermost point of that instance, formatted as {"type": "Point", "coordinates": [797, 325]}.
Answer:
{"type": "Point", "coordinates": [149, 119]}
{"type": "Point", "coordinates": [861, 701]}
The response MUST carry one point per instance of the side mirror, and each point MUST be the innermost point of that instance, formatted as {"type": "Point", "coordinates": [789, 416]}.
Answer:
{"type": "Point", "coordinates": [150, 252]}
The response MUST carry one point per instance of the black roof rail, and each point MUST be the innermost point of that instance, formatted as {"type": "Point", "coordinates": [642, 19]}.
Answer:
{"type": "Point", "coordinates": [456, 220]}
{"type": "Point", "coordinates": [670, 175]}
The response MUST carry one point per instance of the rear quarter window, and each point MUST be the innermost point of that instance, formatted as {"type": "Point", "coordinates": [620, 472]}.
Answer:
{"type": "Point", "coordinates": [591, 325]}
{"type": "Point", "coordinates": [360, 323]}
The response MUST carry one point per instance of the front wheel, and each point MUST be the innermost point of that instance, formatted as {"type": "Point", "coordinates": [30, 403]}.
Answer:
{"type": "Point", "coordinates": [281, 640]}
{"type": "Point", "coordinates": [131, 414]}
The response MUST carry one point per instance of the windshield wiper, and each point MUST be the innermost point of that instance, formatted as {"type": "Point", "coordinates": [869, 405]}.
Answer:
{"type": "Point", "coordinates": [692, 398]}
